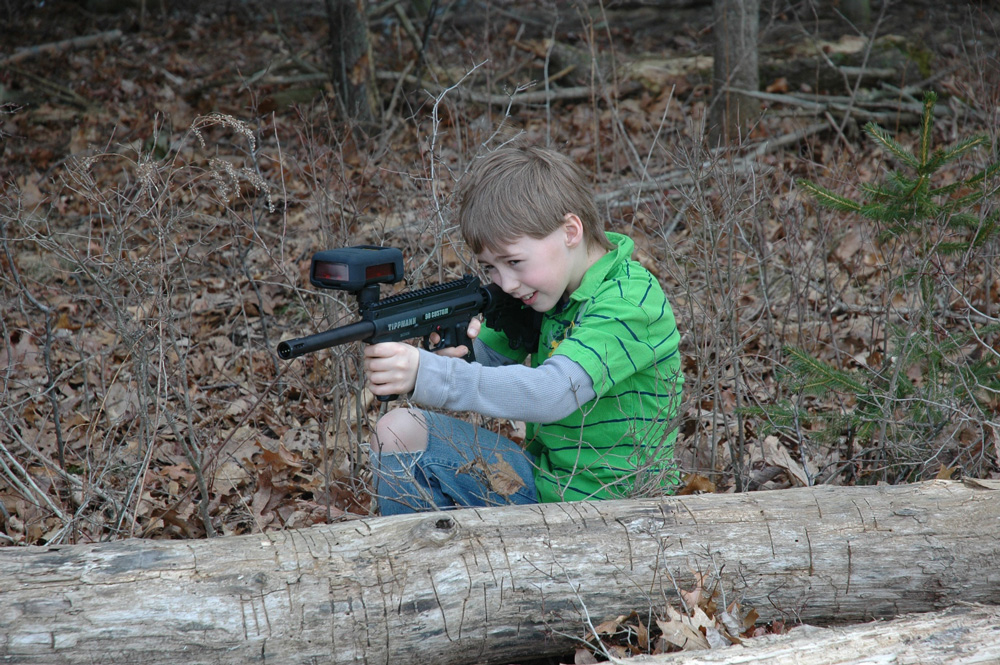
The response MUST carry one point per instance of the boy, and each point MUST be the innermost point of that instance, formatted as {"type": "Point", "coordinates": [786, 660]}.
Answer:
{"type": "Point", "coordinates": [600, 390]}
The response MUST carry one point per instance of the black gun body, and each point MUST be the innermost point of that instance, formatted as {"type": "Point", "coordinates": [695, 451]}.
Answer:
{"type": "Point", "coordinates": [445, 309]}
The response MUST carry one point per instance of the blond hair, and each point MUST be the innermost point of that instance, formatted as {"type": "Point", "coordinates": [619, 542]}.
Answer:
{"type": "Point", "coordinates": [525, 191]}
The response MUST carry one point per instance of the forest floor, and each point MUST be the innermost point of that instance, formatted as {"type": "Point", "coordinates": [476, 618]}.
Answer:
{"type": "Point", "coordinates": [164, 188]}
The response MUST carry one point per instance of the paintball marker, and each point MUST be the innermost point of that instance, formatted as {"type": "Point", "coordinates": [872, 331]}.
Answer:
{"type": "Point", "coordinates": [445, 309]}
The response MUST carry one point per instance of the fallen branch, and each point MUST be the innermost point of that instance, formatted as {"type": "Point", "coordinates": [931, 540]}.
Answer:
{"type": "Point", "coordinates": [861, 108]}
{"type": "Point", "coordinates": [63, 92]}
{"type": "Point", "coordinates": [57, 47]}
{"type": "Point", "coordinates": [959, 635]}
{"type": "Point", "coordinates": [516, 97]}
{"type": "Point", "coordinates": [688, 176]}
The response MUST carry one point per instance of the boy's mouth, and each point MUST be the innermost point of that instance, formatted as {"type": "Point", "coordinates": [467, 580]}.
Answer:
{"type": "Point", "coordinates": [530, 299]}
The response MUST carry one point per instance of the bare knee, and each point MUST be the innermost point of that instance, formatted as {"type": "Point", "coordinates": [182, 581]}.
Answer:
{"type": "Point", "coordinates": [400, 430]}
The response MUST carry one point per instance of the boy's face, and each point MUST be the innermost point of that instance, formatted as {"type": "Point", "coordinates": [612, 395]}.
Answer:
{"type": "Point", "coordinates": [538, 271]}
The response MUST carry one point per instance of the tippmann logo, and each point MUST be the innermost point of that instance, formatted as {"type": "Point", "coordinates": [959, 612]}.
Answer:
{"type": "Point", "coordinates": [436, 313]}
{"type": "Point", "coordinates": [396, 325]}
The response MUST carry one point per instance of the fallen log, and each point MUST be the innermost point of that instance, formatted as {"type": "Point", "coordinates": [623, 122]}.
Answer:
{"type": "Point", "coordinates": [960, 635]}
{"type": "Point", "coordinates": [496, 585]}
{"type": "Point", "coordinates": [57, 47]}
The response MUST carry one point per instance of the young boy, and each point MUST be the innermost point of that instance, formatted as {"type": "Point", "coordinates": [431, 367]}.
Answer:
{"type": "Point", "coordinates": [599, 392]}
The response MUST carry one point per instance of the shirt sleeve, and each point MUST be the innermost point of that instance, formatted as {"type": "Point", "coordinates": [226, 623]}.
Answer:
{"type": "Point", "coordinates": [487, 356]}
{"type": "Point", "coordinates": [542, 394]}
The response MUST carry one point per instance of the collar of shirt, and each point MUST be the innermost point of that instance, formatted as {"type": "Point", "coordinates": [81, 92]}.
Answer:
{"type": "Point", "coordinates": [598, 272]}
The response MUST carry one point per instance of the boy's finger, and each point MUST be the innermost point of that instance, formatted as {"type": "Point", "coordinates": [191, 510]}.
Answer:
{"type": "Point", "coordinates": [382, 350]}
{"type": "Point", "coordinates": [453, 351]}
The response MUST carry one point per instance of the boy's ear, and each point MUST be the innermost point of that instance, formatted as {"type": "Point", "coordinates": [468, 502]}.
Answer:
{"type": "Point", "coordinates": [573, 226]}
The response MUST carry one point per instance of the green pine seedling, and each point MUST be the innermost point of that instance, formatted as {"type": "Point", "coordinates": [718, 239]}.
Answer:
{"type": "Point", "coordinates": [891, 418]}
{"type": "Point", "coordinates": [908, 202]}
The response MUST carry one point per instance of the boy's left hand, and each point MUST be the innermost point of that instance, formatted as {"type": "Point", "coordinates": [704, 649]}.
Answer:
{"type": "Point", "coordinates": [391, 368]}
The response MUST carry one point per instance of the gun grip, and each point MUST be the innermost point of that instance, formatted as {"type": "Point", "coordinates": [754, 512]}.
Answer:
{"type": "Point", "coordinates": [454, 335]}
{"type": "Point", "coordinates": [387, 398]}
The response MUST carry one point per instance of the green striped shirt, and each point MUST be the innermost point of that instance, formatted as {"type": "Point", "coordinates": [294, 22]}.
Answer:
{"type": "Point", "coordinates": [619, 327]}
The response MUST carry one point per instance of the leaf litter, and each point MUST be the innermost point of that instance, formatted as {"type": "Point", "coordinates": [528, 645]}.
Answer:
{"type": "Point", "coordinates": [698, 623]}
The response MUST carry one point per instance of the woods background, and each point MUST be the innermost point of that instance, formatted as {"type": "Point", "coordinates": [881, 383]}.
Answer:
{"type": "Point", "coordinates": [168, 169]}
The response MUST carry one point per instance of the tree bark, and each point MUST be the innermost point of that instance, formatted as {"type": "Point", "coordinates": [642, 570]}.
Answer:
{"type": "Point", "coordinates": [496, 585]}
{"type": "Point", "coordinates": [352, 69]}
{"type": "Point", "coordinates": [960, 635]}
{"type": "Point", "coordinates": [858, 12]}
{"type": "Point", "coordinates": [735, 66]}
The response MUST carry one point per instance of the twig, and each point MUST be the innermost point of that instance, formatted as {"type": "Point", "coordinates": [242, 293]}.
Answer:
{"type": "Point", "coordinates": [62, 91]}
{"type": "Point", "coordinates": [26, 492]}
{"type": "Point", "coordinates": [902, 312]}
{"type": "Point", "coordinates": [517, 97]}
{"type": "Point", "coordinates": [836, 127]}
{"type": "Point", "coordinates": [686, 176]}
{"type": "Point", "coordinates": [408, 28]}
{"type": "Point", "coordinates": [382, 8]}
{"type": "Point", "coordinates": [49, 314]}
{"type": "Point", "coordinates": [213, 454]}
{"type": "Point", "coordinates": [819, 103]}
{"type": "Point", "coordinates": [792, 138]}
{"type": "Point", "coordinates": [56, 47]}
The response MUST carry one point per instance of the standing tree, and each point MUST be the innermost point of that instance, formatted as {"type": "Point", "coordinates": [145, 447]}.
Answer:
{"type": "Point", "coordinates": [735, 32]}
{"type": "Point", "coordinates": [858, 12]}
{"type": "Point", "coordinates": [352, 68]}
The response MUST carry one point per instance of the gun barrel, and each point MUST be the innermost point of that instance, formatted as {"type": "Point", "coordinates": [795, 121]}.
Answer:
{"type": "Point", "coordinates": [353, 332]}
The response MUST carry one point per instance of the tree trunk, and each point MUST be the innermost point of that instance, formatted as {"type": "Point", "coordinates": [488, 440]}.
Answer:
{"type": "Point", "coordinates": [858, 12]}
{"type": "Point", "coordinates": [352, 69]}
{"type": "Point", "coordinates": [496, 585]}
{"type": "Point", "coordinates": [960, 635]}
{"type": "Point", "coordinates": [735, 66]}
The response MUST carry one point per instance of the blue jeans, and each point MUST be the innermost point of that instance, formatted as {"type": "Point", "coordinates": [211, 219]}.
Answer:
{"type": "Point", "coordinates": [463, 466]}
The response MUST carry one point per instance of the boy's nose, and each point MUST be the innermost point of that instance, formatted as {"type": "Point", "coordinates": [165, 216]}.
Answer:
{"type": "Point", "coordinates": [507, 283]}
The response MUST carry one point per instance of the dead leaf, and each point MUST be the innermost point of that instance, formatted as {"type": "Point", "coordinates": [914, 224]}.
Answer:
{"type": "Point", "coordinates": [229, 476]}
{"type": "Point", "coordinates": [716, 638]}
{"type": "Point", "coordinates": [750, 619]}
{"type": "Point", "coordinates": [30, 194]}
{"type": "Point", "coordinates": [120, 402]}
{"type": "Point", "coordinates": [849, 244]}
{"type": "Point", "coordinates": [609, 627]}
{"type": "Point", "coordinates": [731, 622]}
{"type": "Point", "coordinates": [779, 85]}
{"type": "Point", "coordinates": [499, 475]}
{"type": "Point", "coordinates": [281, 459]}
{"type": "Point", "coordinates": [678, 630]}
{"type": "Point", "coordinates": [775, 454]}
{"type": "Point", "coordinates": [696, 484]}
{"type": "Point", "coordinates": [945, 472]}
{"type": "Point", "coordinates": [238, 407]}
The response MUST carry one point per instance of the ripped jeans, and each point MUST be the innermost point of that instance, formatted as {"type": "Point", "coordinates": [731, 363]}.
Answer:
{"type": "Point", "coordinates": [463, 466]}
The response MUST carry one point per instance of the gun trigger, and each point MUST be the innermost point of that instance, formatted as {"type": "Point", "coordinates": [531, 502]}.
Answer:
{"type": "Point", "coordinates": [441, 341]}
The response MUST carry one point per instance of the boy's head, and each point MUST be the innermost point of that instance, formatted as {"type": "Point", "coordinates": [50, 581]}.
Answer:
{"type": "Point", "coordinates": [525, 191]}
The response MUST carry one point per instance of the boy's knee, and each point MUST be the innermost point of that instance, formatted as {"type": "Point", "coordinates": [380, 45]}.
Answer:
{"type": "Point", "coordinates": [400, 430]}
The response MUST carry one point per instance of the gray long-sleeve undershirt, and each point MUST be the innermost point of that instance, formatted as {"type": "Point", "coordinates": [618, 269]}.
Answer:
{"type": "Point", "coordinates": [542, 394]}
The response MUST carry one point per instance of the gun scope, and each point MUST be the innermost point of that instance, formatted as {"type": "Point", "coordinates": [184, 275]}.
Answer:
{"type": "Point", "coordinates": [354, 268]}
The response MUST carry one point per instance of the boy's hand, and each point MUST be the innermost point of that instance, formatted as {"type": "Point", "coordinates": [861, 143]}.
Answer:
{"type": "Point", "coordinates": [475, 325]}
{"type": "Point", "coordinates": [391, 368]}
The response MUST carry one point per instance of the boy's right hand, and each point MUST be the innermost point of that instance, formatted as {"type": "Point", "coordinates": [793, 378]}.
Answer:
{"type": "Point", "coordinates": [475, 325]}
